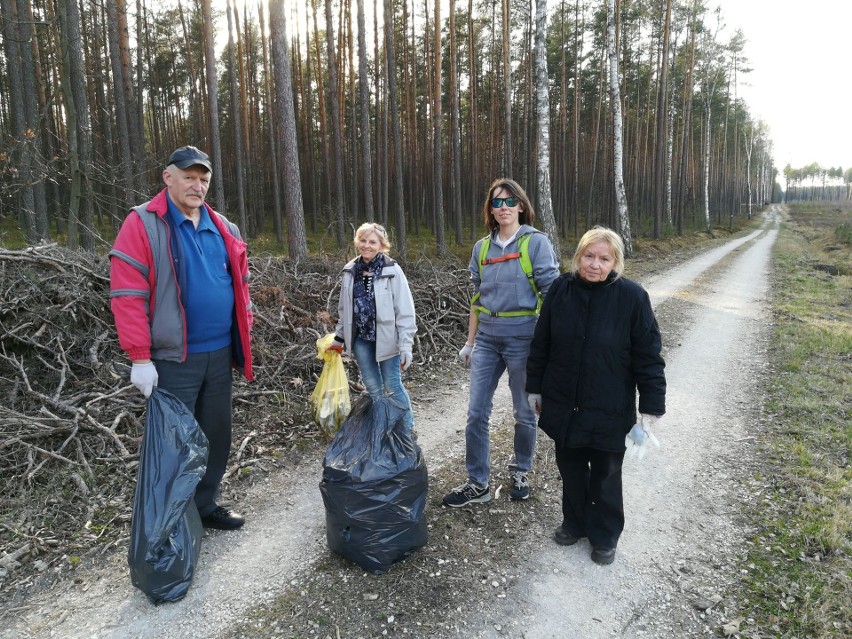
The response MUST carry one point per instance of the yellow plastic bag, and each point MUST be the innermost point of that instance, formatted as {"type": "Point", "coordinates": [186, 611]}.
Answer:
{"type": "Point", "coordinates": [330, 399]}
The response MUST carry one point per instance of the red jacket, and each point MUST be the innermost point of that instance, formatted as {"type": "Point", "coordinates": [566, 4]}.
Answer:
{"type": "Point", "coordinates": [145, 288]}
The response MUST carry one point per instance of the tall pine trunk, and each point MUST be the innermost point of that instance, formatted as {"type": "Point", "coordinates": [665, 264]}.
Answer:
{"type": "Point", "coordinates": [270, 129]}
{"type": "Point", "coordinates": [474, 127]}
{"type": "Point", "coordinates": [125, 170]}
{"type": "Point", "coordinates": [33, 200]}
{"type": "Point", "coordinates": [393, 116]}
{"type": "Point", "coordinates": [21, 157]}
{"type": "Point", "coordinates": [332, 95]}
{"type": "Point", "coordinates": [134, 126]}
{"type": "Point", "coordinates": [79, 128]}
{"type": "Point", "coordinates": [297, 243]}
{"type": "Point", "coordinates": [437, 144]}
{"type": "Point", "coordinates": [455, 141]}
{"type": "Point", "coordinates": [213, 101]}
{"type": "Point", "coordinates": [506, 160]}
{"type": "Point", "coordinates": [364, 107]}
{"type": "Point", "coordinates": [661, 140]}
{"type": "Point", "coordinates": [236, 124]}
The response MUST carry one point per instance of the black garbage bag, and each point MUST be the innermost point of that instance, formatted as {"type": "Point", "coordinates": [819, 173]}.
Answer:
{"type": "Point", "coordinates": [166, 531]}
{"type": "Point", "coordinates": [374, 485]}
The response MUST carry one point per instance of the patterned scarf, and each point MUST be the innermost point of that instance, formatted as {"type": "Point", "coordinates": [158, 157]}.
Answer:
{"type": "Point", "coordinates": [364, 299]}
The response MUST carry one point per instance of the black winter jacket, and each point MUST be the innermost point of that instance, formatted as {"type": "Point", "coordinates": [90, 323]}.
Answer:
{"type": "Point", "coordinates": [594, 345]}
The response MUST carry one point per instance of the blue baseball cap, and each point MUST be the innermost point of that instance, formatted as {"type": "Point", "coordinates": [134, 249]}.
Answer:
{"type": "Point", "coordinates": [187, 156]}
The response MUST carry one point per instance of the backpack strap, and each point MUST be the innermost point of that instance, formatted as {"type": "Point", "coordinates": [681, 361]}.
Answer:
{"type": "Point", "coordinates": [523, 257]}
{"type": "Point", "coordinates": [483, 251]}
{"type": "Point", "coordinates": [526, 266]}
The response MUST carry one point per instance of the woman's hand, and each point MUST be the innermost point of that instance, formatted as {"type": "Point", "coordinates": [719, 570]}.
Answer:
{"type": "Point", "coordinates": [465, 352]}
{"type": "Point", "coordinates": [336, 346]}
{"type": "Point", "coordinates": [640, 436]}
{"type": "Point", "coordinates": [405, 360]}
{"type": "Point", "coordinates": [535, 402]}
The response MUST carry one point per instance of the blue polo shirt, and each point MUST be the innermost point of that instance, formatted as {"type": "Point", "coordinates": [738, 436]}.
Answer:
{"type": "Point", "coordinates": [208, 291]}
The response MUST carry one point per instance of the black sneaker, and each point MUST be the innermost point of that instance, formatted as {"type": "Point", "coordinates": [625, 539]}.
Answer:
{"type": "Point", "coordinates": [520, 487]}
{"type": "Point", "coordinates": [467, 494]}
{"type": "Point", "coordinates": [223, 519]}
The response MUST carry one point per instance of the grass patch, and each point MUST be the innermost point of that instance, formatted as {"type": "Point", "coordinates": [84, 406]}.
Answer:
{"type": "Point", "coordinates": [801, 561]}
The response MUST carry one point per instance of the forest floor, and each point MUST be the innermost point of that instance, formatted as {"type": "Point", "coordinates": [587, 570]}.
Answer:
{"type": "Point", "coordinates": [492, 570]}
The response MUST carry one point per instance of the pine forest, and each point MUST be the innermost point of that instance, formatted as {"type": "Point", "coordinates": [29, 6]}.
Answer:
{"type": "Point", "coordinates": [321, 114]}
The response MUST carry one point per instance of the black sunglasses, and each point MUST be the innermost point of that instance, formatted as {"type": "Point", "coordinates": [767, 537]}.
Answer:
{"type": "Point", "coordinates": [497, 202]}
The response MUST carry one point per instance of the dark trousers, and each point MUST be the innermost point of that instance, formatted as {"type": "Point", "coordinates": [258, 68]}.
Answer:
{"type": "Point", "coordinates": [203, 382]}
{"type": "Point", "coordinates": [592, 503]}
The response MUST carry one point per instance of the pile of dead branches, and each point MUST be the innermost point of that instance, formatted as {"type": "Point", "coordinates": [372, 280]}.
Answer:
{"type": "Point", "coordinates": [70, 422]}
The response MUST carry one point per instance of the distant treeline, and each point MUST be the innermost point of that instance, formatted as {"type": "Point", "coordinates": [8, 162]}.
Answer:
{"type": "Point", "coordinates": [814, 182]}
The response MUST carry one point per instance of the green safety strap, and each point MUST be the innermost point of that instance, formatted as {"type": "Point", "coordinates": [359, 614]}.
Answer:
{"type": "Point", "coordinates": [523, 257]}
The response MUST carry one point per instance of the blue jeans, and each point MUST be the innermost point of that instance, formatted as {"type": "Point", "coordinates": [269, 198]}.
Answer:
{"type": "Point", "coordinates": [381, 376]}
{"type": "Point", "coordinates": [490, 358]}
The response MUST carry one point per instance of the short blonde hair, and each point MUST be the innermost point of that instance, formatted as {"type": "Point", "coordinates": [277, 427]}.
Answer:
{"type": "Point", "coordinates": [373, 227]}
{"type": "Point", "coordinates": [600, 234]}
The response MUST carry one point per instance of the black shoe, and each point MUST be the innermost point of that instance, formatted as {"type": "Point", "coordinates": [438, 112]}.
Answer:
{"type": "Point", "coordinates": [603, 556]}
{"type": "Point", "coordinates": [223, 519]}
{"type": "Point", "coordinates": [466, 494]}
{"type": "Point", "coordinates": [564, 538]}
{"type": "Point", "coordinates": [520, 487]}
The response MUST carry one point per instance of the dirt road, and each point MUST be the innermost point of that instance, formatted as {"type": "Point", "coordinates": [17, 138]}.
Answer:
{"type": "Point", "coordinates": [682, 531]}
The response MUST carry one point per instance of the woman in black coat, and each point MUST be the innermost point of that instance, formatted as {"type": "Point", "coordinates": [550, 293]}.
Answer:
{"type": "Point", "coordinates": [596, 343]}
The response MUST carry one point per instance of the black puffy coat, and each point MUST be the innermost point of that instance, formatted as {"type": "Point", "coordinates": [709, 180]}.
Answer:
{"type": "Point", "coordinates": [595, 344]}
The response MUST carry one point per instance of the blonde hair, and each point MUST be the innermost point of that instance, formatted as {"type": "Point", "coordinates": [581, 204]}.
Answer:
{"type": "Point", "coordinates": [525, 216]}
{"type": "Point", "coordinates": [373, 227]}
{"type": "Point", "coordinates": [600, 234]}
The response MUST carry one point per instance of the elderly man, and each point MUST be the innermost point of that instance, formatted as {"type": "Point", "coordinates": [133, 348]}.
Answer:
{"type": "Point", "coordinates": [179, 294]}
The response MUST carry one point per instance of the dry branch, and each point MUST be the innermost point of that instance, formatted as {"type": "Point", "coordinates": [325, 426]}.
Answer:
{"type": "Point", "coordinates": [70, 424]}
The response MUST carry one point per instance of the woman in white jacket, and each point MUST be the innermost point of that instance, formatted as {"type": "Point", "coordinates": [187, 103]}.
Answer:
{"type": "Point", "coordinates": [376, 316]}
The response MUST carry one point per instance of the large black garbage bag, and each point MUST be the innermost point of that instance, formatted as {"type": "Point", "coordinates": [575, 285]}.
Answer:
{"type": "Point", "coordinates": [166, 531]}
{"type": "Point", "coordinates": [374, 485]}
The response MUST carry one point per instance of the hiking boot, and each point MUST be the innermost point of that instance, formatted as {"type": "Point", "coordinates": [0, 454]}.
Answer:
{"type": "Point", "coordinates": [564, 538]}
{"type": "Point", "coordinates": [520, 487]}
{"type": "Point", "coordinates": [603, 556]}
{"type": "Point", "coordinates": [467, 493]}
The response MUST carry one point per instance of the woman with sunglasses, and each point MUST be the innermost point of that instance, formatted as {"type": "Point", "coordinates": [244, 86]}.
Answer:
{"type": "Point", "coordinates": [511, 270]}
{"type": "Point", "coordinates": [376, 316]}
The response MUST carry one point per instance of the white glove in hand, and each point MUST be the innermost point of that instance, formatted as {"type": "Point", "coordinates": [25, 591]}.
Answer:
{"type": "Point", "coordinates": [144, 377]}
{"type": "Point", "coordinates": [465, 352]}
{"type": "Point", "coordinates": [639, 437]}
{"type": "Point", "coordinates": [535, 402]}
{"type": "Point", "coordinates": [405, 360]}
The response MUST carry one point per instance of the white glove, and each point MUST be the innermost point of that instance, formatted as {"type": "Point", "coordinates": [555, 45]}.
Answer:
{"type": "Point", "coordinates": [405, 360]}
{"type": "Point", "coordinates": [535, 402]}
{"type": "Point", "coordinates": [144, 377]}
{"type": "Point", "coordinates": [465, 352]}
{"type": "Point", "coordinates": [640, 436]}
